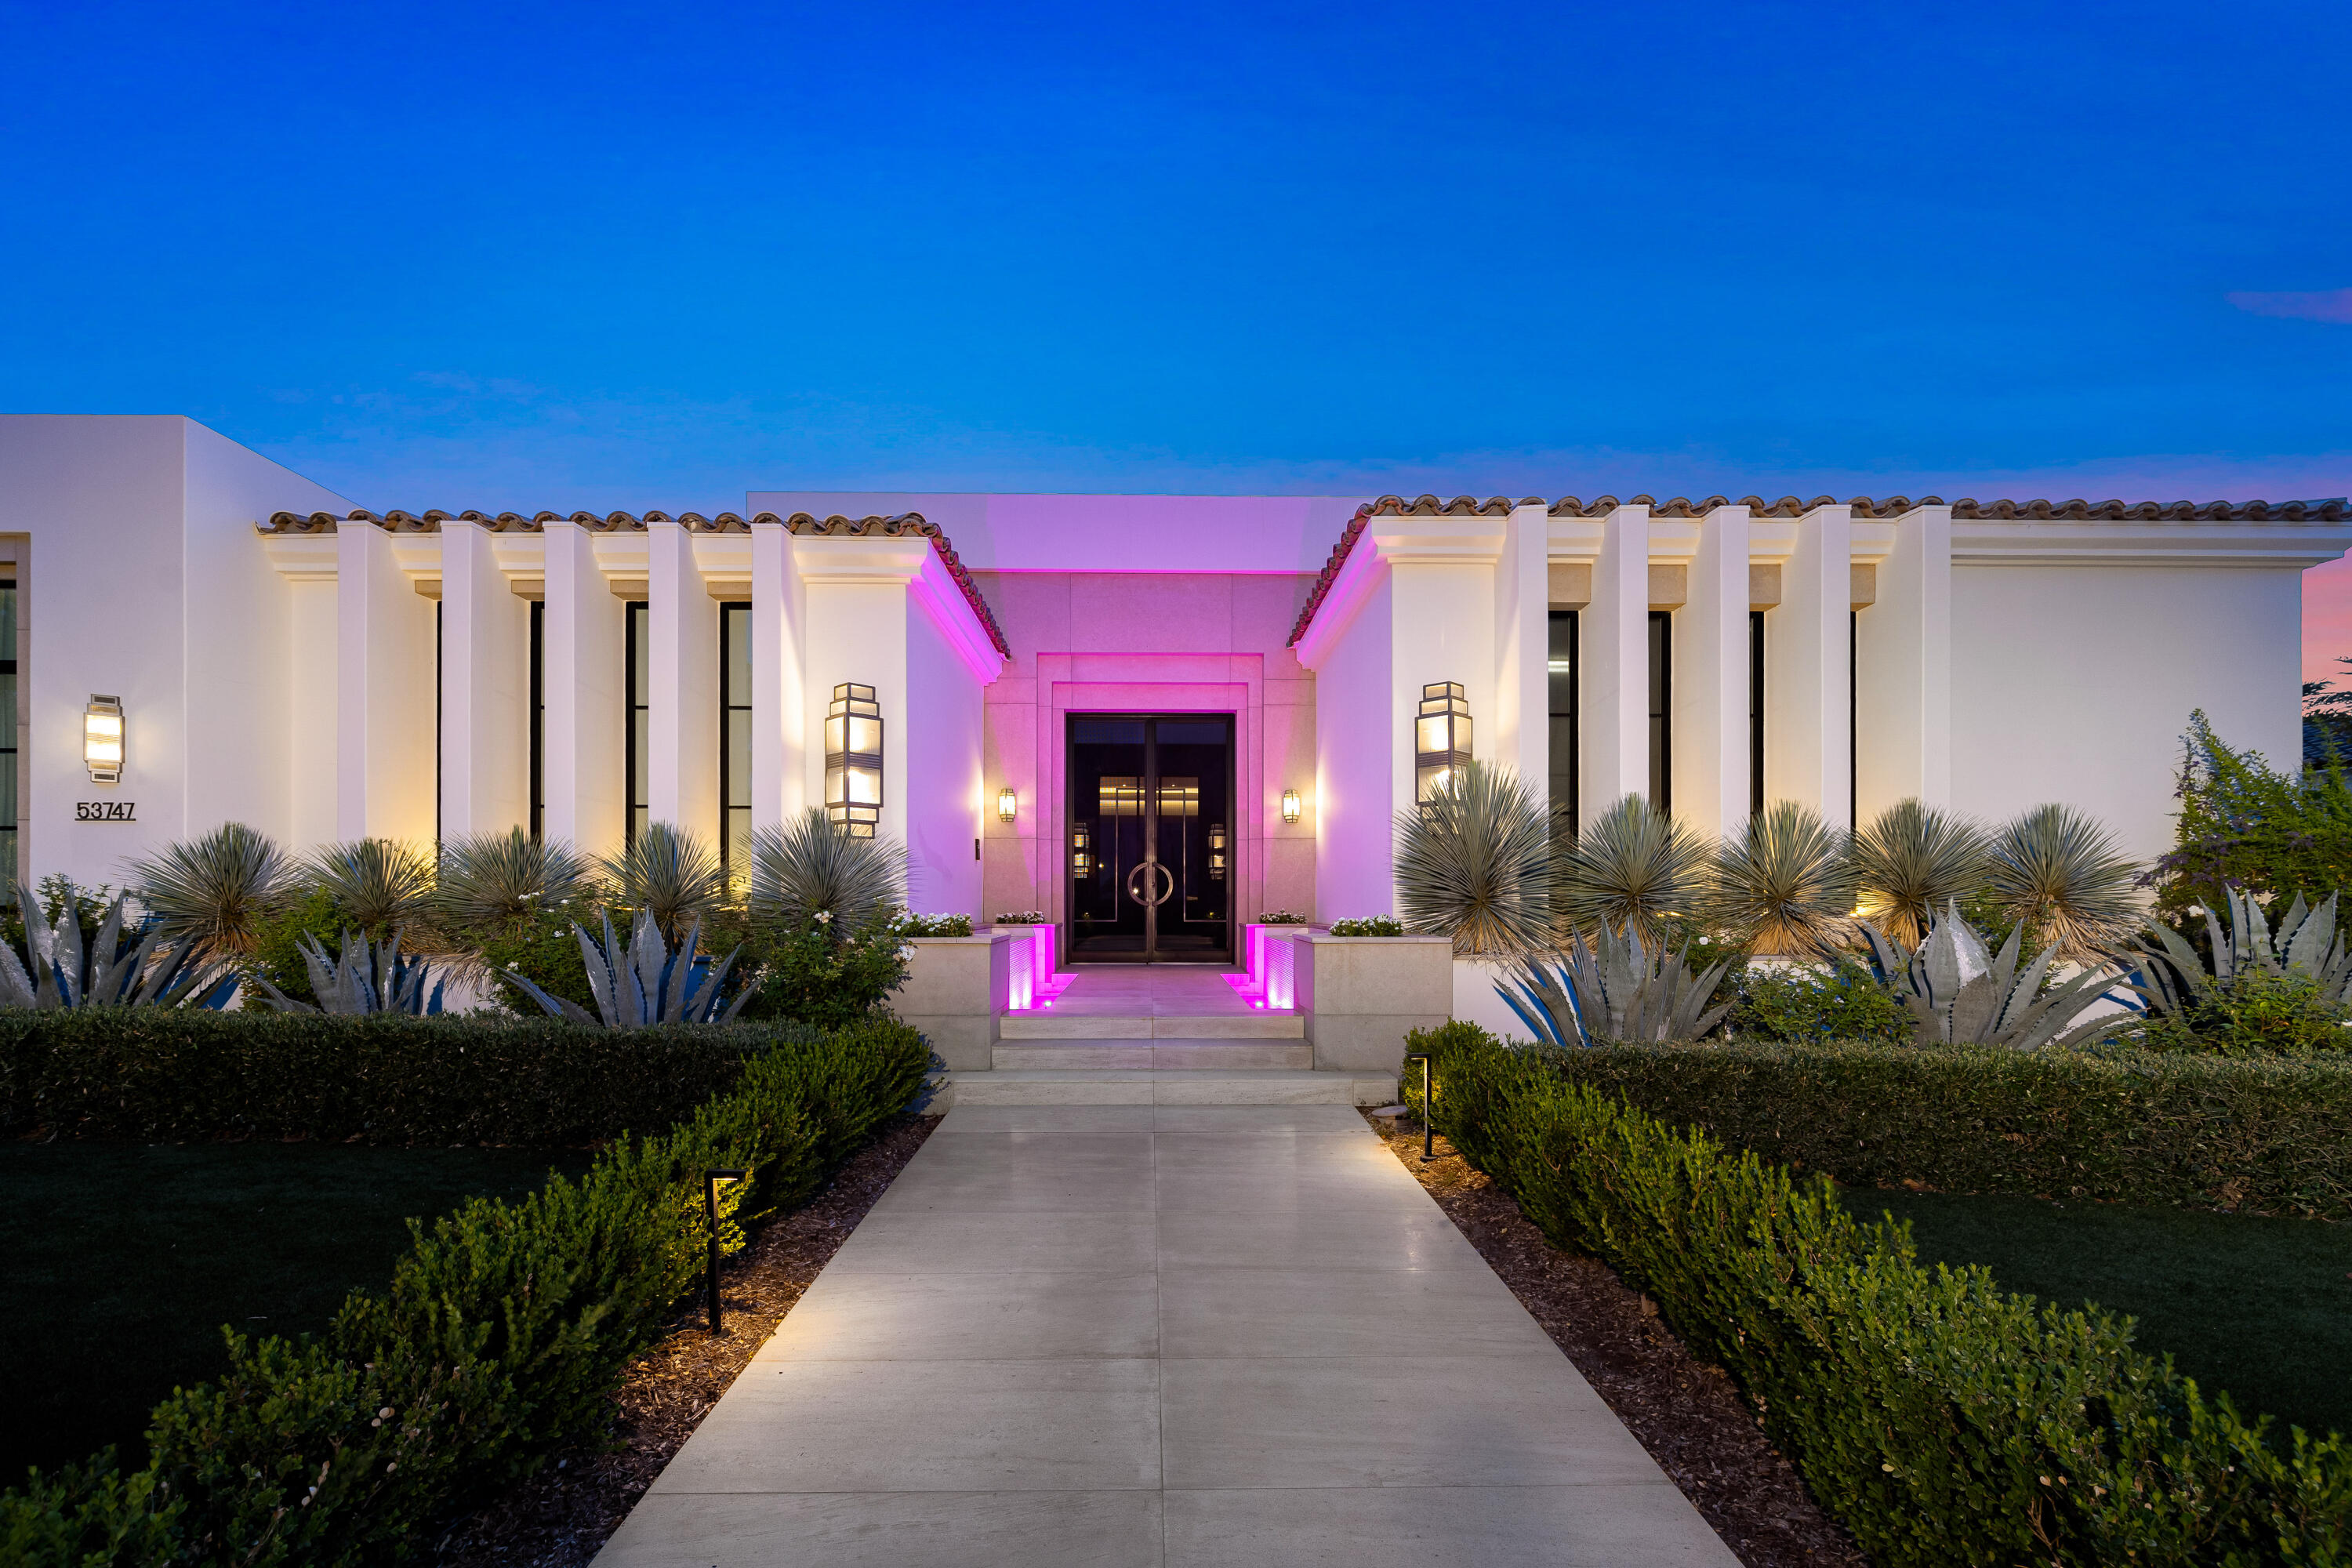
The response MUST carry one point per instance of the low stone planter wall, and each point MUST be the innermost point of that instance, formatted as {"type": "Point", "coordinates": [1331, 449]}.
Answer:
{"type": "Point", "coordinates": [1362, 993]}
{"type": "Point", "coordinates": [956, 988]}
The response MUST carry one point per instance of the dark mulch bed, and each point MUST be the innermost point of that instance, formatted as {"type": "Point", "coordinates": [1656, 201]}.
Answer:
{"type": "Point", "coordinates": [1687, 1413]}
{"type": "Point", "coordinates": [562, 1516]}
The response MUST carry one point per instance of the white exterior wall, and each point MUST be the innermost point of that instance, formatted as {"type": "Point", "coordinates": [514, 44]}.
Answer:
{"type": "Point", "coordinates": [942, 739]}
{"type": "Point", "coordinates": [1710, 697]}
{"type": "Point", "coordinates": [1807, 728]}
{"type": "Point", "coordinates": [584, 646]}
{"type": "Point", "coordinates": [485, 773]}
{"type": "Point", "coordinates": [1903, 670]}
{"type": "Point", "coordinates": [682, 778]}
{"type": "Point", "coordinates": [1355, 804]}
{"type": "Point", "coordinates": [1613, 669]}
{"type": "Point", "coordinates": [2075, 683]}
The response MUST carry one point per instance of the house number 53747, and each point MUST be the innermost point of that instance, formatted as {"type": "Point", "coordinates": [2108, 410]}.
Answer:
{"type": "Point", "coordinates": [106, 811]}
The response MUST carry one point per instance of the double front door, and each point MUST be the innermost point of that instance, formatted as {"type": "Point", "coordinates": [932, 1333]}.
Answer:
{"type": "Point", "coordinates": [1149, 842]}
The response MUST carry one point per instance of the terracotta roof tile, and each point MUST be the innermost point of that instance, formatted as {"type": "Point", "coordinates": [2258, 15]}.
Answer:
{"type": "Point", "coordinates": [833, 526]}
{"type": "Point", "coordinates": [2335, 509]}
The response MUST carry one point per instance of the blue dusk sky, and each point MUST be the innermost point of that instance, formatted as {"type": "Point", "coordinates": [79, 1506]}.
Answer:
{"type": "Point", "coordinates": [604, 255]}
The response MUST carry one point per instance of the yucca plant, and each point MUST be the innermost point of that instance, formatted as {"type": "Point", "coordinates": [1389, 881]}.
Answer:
{"type": "Point", "coordinates": [215, 889]}
{"type": "Point", "coordinates": [2306, 943]}
{"type": "Point", "coordinates": [1960, 993]}
{"type": "Point", "coordinates": [501, 878]}
{"type": "Point", "coordinates": [1632, 870]}
{"type": "Point", "coordinates": [365, 978]}
{"type": "Point", "coordinates": [669, 873]}
{"type": "Point", "coordinates": [118, 967]}
{"type": "Point", "coordinates": [2059, 873]}
{"type": "Point", "coordinates": [1785, 882]}
{"type": "Point", "coordinates": [377, 884]}
{"type": "Point", "coordinates": [1615, 987]}
{"type": "Point", "coordinates": [1911, 861]}
{"type": "Point", "coordinates": [1474, 863]}
{"type": "Point", "coordinates": [645, 981]}
{"type": "Point", "coordinates": [810, 868]}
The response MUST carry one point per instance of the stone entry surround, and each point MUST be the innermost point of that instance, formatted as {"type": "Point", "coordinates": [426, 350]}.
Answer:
{"type": "Point", "coordinates": [1196, 1336]}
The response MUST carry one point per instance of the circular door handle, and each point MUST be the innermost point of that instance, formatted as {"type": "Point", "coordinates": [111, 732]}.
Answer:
{"type": "Point", "coordinates": [1136, 893]}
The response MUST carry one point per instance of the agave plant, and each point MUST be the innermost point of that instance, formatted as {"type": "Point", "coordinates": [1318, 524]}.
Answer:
{"type": "Point", "coordinates": [644, 981]}
{"type": "Point", "coordinates": [1632, 870]}
{"type": "Point", "coordinates": [810, 867]}
{"type": "Point", "coordinates": [1912, 861]}
{"type": "Point", "coordinates": [2175, 978]}
{"type": "Point", "coordinates": [497, 879]}
{"type": "Point", "coordinates": [1473, 862]}
{"type": "Point", "coordinates": [670, 874]}
{"type": "Point", "coordinates": [117, 968]}
{"type": "Point", "coordinates": [213, 890]}
{"type": "Point", "coordinates": [1614, 988]}
{"type": "Point", "coordinates": [1960, 993]}
{"type": "Point", "coordinates": [1785, 881]}
{"type": "Point", "coordinates": [365, 978]}
{"type": "Point", "coordinates": [377, 884]}
{"type": "Point", "coordinates": [2056, 871]}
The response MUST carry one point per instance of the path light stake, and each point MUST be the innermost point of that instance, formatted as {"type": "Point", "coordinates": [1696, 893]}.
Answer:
{"type": "Point", "coordinates": [1427, 1131]}
{"type": "Point", "coordinates": [711, 1180]}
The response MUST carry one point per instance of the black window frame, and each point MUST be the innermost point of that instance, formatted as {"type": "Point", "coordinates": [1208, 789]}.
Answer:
{"type": "Point", "coordinates": [1755, 713]}
{"type": "Point", "coordinates": [538, 720]}
{"type": "Point", "coordinates": [1565, 735]}
{"type": "Point", "coordinates": [1661, 709]}
{"type": "Point", "coordinates": [734, 621]}
{"type": "Point", "coordinates": [636, 650]}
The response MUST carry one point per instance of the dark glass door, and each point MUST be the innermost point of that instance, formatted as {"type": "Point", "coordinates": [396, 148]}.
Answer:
{"type": "Point", "coordinates": [1150, 845]}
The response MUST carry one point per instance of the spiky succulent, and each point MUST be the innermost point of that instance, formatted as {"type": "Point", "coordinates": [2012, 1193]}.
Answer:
{"type": "Point", "coordinates": [1912, 860]}
{"type": "Point", "coordinates": [1960, 993]}
{"type": "Point", "coordinates": [2059, 873]}
{"type": "Point", "coordinates": [497, 879]}
{"type": "Point", "coordinates": [670, 874]}
{"type": "Point", "coordinates": [1613, 987]}
{"type": "Point", "coordinates": [809, 867]}
{"type": "Point", "coordinates": [1784, 881]}
{"type": "Point", "coordinates": [213, 890]}
{"type": "Point", "coordinates": [2176, 978]}
{"type": "Point", "coordinates": [1632, 870]}
{"type": "Point", "coordinates": [377, 884]}
{"type": "Point", "coordinates": [1473, 862]}
{"type": "Point", "coordinates": [644, 981]}
{"type": "Point", "coordinates": [364, 979]}
{"type": "Point", "coordinates": [119, 966]}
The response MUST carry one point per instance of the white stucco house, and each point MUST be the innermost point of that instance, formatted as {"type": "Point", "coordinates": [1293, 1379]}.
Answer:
{"type": "Point", "coordinates": [1149, 716]}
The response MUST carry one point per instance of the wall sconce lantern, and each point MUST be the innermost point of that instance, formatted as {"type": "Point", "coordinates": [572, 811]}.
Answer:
{"type": "Point", "coordinates": [1441, 736]}
{"type": "Point", "coordinates": [1081, 842]}
{"type": "Point", "coordinates": [1216, 852]}
{"type": "Point", "coordinates": [853, 760]}
{"type": "Point", "coordinates": [102, 739]}
{"type": "Point", "coordinates": [1007, 804]}
{"type": "Point", "coordinates": [1293, 808]}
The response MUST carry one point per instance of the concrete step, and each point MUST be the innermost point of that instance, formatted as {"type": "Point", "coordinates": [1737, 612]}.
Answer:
{"type": "Point", "coordinates": [1167, 1056]}
{"type": "Point", "coordinates": [1116, 1085]}
{"type": "Point", "coordinates": [1044, 1024]}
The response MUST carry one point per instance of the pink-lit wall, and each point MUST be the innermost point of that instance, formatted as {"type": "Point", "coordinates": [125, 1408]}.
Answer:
{"type": "Point", "coordinates": [1148, 642]}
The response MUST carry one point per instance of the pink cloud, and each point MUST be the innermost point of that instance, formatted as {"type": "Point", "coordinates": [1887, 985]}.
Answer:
{"type": "Point", "coordinates": [2329, 305]}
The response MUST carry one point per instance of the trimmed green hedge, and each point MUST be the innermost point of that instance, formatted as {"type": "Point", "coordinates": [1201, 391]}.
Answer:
{"type": "Point", "coordinates": [2263, 1136]}
{"type": "Point", "coordinates": [499, 1339]}
{"type": "Point", "coordinates": [1942, 1419]}
{"type": "Point", "coordinates": [166, 1075]}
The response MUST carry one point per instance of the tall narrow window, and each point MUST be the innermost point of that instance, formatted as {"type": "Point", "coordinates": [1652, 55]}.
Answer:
{"type": "Point", "coordinates": [1560, 671]}
{"type": "Point", "coordinates": [735, 738]}
{"type": "Point", "coordinates": [538, 718]}
{"type": "Point", "coordinates": [1662, 689]}
{"type": "Point", "coordinates": [1853, 709]}
{"type": "Point", "coordinates": [1755, 713]}
{"type": "Point", "coordinates": [437, 783]}
{"type": "Point", "coordinates": [8, 731]}
{"type": "Point", "coordinates": [639, 657]}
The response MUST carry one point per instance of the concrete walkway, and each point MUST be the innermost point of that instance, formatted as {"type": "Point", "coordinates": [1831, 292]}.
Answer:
{"type": "Point", "coordinates": [1239, 1336]}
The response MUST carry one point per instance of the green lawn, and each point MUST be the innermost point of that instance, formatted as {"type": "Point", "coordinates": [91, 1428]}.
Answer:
{"type": "Point", "coordinates": [2260, 1308]}
{"type": "Point", "coordinates": [121, 1262]}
